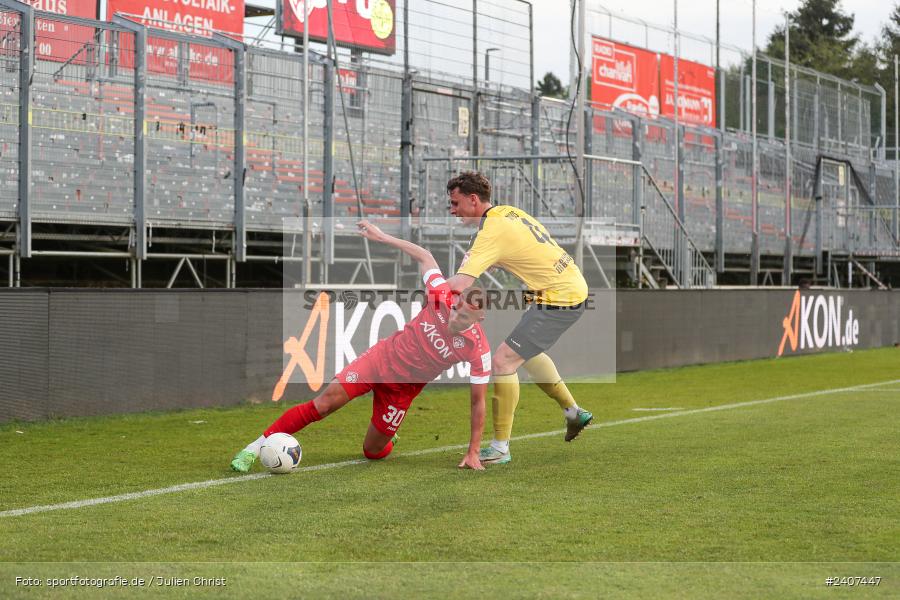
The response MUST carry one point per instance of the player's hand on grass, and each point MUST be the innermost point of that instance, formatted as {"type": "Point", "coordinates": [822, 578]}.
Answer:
{"type": "Point", "coordinates": [370, 231]}
{"type": "Point", "coordinates": [471, 461]}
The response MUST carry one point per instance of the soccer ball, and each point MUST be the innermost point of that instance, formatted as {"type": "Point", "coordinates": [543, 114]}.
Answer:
{"type": "Point", "coordinates": [280, 453]}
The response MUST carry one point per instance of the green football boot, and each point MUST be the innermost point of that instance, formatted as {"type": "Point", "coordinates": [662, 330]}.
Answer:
{"type": "Point", "coordinates": [492, 456]}
{"type": "Point", "coordinates": [582, 419]}
{"type": "Point", "coordinates": [242, 461]}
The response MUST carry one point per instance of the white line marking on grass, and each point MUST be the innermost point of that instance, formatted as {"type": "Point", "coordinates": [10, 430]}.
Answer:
{"type": "Point", "coordinates": [199, 485]}
{"type": "Point", "coordinates": [656, 409]}
{"type": "Point", "coordinates": [131, 496]}
{"type": "Point", "coordinates": [887, 385]}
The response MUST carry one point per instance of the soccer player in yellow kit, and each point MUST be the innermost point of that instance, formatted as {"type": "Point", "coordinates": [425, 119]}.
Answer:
{"type": "Point", "coordinates": [510, 238]}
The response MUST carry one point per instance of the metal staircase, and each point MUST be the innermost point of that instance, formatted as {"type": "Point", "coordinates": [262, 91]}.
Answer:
{"type": "Point", "coordinates": [852, 222]}
{"type": "Point", "coordinates": [666, 246]}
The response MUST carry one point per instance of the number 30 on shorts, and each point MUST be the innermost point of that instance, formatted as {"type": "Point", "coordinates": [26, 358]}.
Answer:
{"type": "Point", "coordinates": [393, 416]}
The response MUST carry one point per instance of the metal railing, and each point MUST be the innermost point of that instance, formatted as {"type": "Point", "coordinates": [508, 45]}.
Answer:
{"type": "Point", "coordinates": [102, 131]}
{"type": "Point", "coordinates": [663, 233]}
{"type": "Point", "coordinates": [544, 186]}
{"type": "Point", "coordinates": [862, 230]}
{"type": "Point", "coordinates": [853, 222]}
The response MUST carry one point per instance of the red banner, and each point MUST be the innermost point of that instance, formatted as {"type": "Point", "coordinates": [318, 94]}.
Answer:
{"type": "Point", "coordinates": [624, 77]}
{"type": "Point", "coordinates": [363, 24]}
{"type": "Point", "coordinates": [696, 91]}
{"type": "Point", "coordinates": [58, 40]}
{"type": "Point", "coordinates": [628, 78]}
{"type": "Point", "coordinates": [195, 17]}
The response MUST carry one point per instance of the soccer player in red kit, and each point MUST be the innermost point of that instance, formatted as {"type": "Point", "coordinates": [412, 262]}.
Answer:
{"type": "Point", "coordinates": [445, 332]}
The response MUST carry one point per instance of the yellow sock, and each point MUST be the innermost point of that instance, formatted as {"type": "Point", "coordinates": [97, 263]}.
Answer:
{"type": "Point", "coordinates": [543, 372]}
{"type": "Point", "coordinates": [505, 399]}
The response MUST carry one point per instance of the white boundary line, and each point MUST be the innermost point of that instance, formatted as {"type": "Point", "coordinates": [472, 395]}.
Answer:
{"type": "Point", "coordinates": [199, 485]}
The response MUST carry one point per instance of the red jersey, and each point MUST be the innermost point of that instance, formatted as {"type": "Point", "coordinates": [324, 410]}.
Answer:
{"type": "Point", "coordinates": [425, 347]}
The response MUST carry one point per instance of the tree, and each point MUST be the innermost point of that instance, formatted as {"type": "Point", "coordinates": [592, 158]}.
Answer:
{"type": "Point", "coordinates": [821, 38]}
{"type": "Point", "coordinates": [887, 47]}
{"type": "Point", "coordinates": [865, 65]}
{"type": "Point", "coordinates": [551, 87]}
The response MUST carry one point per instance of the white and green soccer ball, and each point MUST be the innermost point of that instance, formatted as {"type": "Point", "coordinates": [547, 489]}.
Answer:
{"type": "Point", "coordinates": [280, 453]}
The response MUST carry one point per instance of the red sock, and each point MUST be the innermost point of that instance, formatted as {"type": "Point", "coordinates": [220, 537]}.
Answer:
{"type": "Point", "coordinates": [294, 419]}
{"type": "Point", "coordinates": [384, 452]}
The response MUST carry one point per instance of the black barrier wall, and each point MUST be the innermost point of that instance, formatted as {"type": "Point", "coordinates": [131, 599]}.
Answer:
{"type": "Point", "coordinates": [678, 328]}
{"type": "Point", "coordinates": [87, 352]}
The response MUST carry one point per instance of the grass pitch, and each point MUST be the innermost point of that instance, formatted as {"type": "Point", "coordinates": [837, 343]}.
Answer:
{"type": "Point", "coordinates": [754, 500]}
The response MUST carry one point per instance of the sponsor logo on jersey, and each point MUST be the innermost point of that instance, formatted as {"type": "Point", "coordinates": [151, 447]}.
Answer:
{"type": "Point", "coordinates": [486, 362]}
{"type": "Point", "coordinates": [438, 342]}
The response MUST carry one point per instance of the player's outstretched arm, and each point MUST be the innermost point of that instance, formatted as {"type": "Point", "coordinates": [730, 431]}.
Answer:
{"type": "Point", "coordinates": [372, 232]}
{"type": "Point", "coordinates": [471, 460]}
{"type": "Point", "coordinates": [460, 282]}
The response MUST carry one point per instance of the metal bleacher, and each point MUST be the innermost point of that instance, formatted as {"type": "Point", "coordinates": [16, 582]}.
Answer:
{"type": "Point", "coordinates": [82, 150]}
{"type": "Point", "coordinates": [83, 154]}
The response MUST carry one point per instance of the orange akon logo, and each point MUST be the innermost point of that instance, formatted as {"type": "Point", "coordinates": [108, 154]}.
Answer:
{"type": "Point", "coordinates": [296, 348]}
{"type": "Point", "coordinates": [791, 323]}
{"type": "Point", "coordinates": [816, 321]}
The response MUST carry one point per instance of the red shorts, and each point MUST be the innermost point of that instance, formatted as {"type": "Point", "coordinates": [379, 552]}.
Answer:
{"type": "Point", "coordinates": [391, 399]}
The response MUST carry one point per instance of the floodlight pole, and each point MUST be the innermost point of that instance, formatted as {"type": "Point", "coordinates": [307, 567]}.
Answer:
{"type": "Point", "coordinates": [682, 251]}
{"type": "Point", "coordinates": [328, 151]}
{"type": "Point", "coordinates": [307, 205]}
{"type": "Point", "coordinates": [26, 73]}
{"type": "Point", "coordinates": [573, 64]}
{"type": "Point", "coordinates": [678, 204]}
{"type": "Point", "coordinates": [882, 149]}
{"type": "Point", "coordinates": [896, 153]}
{"type": "Point", "coordinates": [406, 121]}
{"type": "Point", "coordinates": [720, 106]}
{"type": "Point", "coordinates": [788, 160]}
{"type": "Point", "coordinates": [580, 211]}
{"type": "Point", "coordinates": [530, 45]}
{"type": "Point", "coordinates": [535, 119]}
{"type": "Point", "coordinates": [754, 199]}
{"type": "Point", "coordinates": [239, 52]}
{"type": "Point", "coordinates": [473, 128]}
{"type": "Point", "coordinates": [140, 156]}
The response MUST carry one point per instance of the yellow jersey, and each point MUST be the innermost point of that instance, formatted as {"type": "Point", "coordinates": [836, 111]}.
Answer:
{"type": "Point", "coordinates": [514, 240]}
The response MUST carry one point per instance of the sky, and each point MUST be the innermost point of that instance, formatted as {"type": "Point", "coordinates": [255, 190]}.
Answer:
{"type": "Point", "coordinates": [442, 40]}
{"type": "Point", "coordinates": [694, 16]}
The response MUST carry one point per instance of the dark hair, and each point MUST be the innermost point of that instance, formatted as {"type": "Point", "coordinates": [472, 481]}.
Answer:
{"type": "Point", "coordinates": [471, 182]}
